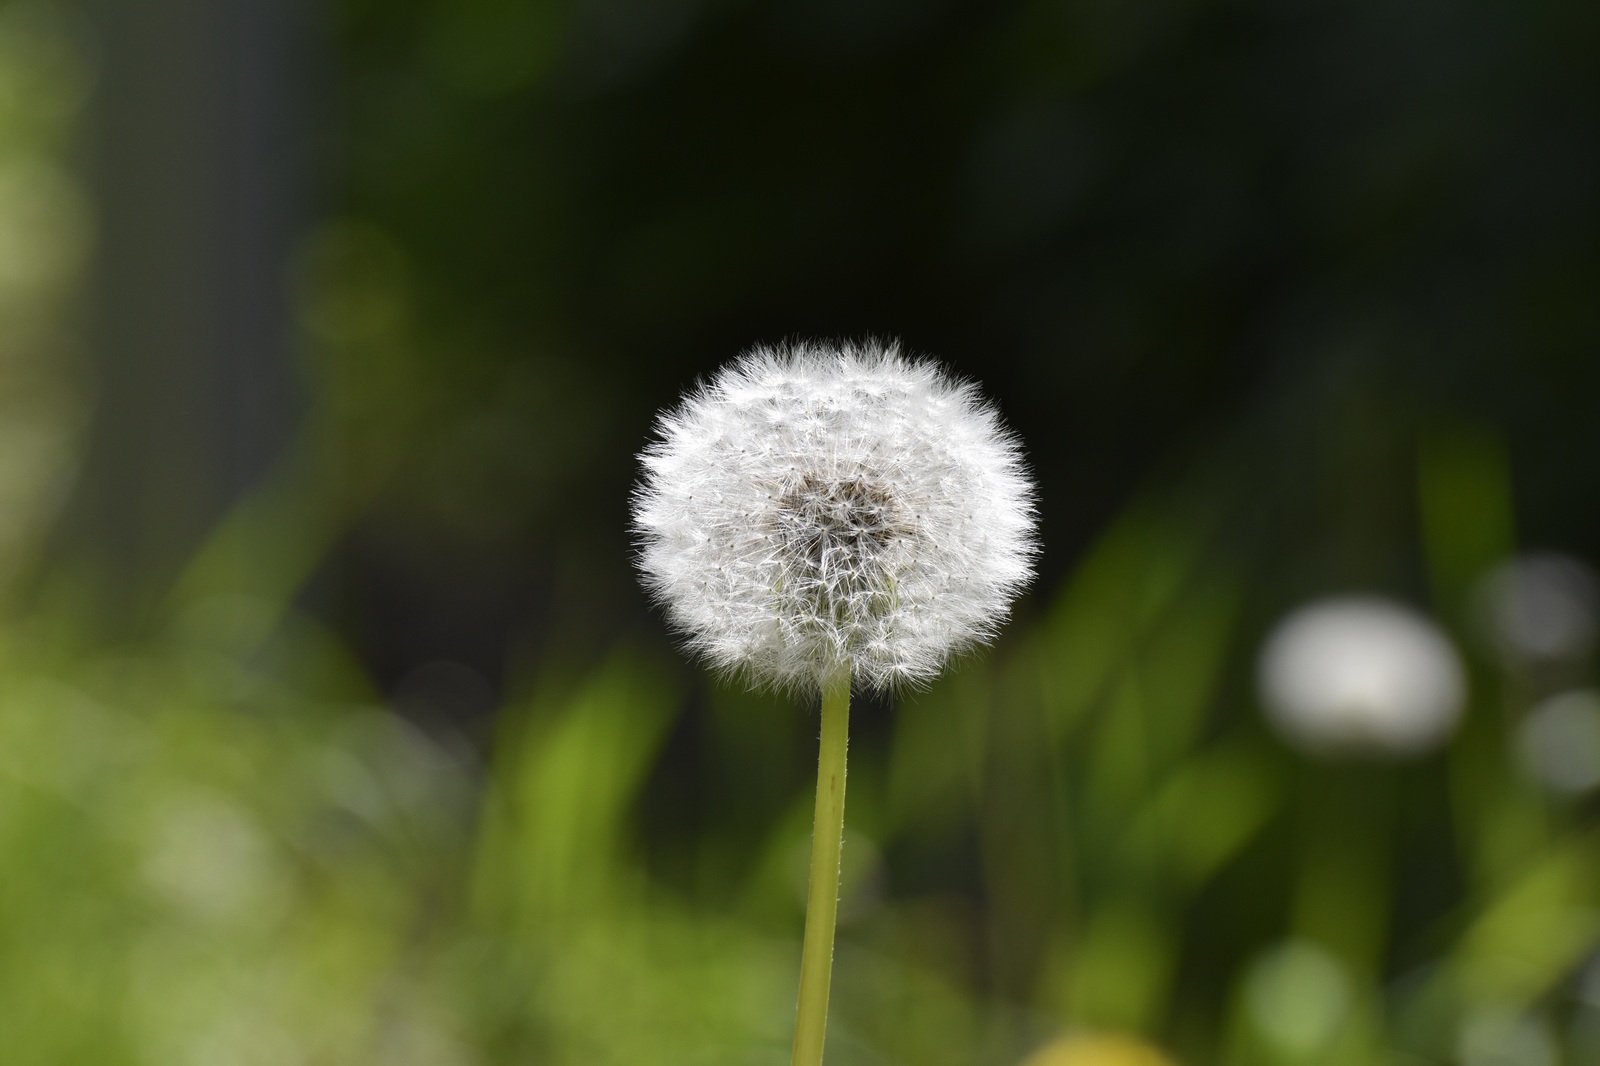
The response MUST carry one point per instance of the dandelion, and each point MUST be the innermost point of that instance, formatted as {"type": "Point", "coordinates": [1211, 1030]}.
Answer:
{"type": "Point", "coordinates": [1560, 741]}
{"type": "Point", "coordinates": [816, 511]}
{"type": "Point", "coordinates": [1361, 674]}
{"type": "Point", "coordinates": [1541, 608]}
{"type": "Point", "coordinates": [819, 516]}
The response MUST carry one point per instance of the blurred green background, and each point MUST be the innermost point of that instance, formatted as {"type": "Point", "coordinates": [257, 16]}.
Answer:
{"type": "Point", "coordinates": [333, 725]}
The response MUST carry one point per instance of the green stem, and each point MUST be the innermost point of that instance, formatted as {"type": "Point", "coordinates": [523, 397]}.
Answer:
{"type": "Point", "coordinates": [822, 898]}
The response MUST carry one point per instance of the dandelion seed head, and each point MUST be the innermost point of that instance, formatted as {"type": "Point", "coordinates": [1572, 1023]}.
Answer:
{"type": "Point", "coordinates": [1541, 608]}
{"type": "Point", "coordinates": [821, 509]}
{"type": "Point", "coordinates": [1361, 675]}
{"type": "Point", "coordinates": [1560, 741]}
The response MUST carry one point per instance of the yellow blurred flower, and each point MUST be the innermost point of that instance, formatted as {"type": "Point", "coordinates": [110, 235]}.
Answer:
{"type": "Point", "coordinates": [1098, 1049]}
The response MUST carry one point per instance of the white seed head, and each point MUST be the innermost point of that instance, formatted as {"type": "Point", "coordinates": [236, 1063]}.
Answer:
{"type": "Point", "coordinates": [822, 509]}
{"type": "Point", "coordinates": [1361, 675]}
{"type": "Point", "coordinates": [1560, 741]}
{"type": "Point", "coordinates": [1541, 608]}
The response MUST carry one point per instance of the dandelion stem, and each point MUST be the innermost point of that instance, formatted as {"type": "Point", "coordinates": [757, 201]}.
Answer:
{"type": "Point", "coordinates": [822, 898]}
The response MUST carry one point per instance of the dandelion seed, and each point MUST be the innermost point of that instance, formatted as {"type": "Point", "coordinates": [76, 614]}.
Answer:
{"type": "Point", "coordinates": [818, 510]}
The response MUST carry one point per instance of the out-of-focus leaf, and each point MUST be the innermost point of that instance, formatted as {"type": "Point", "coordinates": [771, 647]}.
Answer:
{"type": "Point", "coordinates": [1464, 491]}
{"type": "Point", "coordinates": [555, 822]}
{"type": "Point", "coordinates": [1200, 817]}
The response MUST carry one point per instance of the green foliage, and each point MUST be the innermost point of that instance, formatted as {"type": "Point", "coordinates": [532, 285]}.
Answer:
{"type": "Point", "coordinates": [220, 850]}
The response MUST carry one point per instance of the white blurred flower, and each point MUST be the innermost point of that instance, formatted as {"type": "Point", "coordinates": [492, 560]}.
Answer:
{"type": "Point", "coordinates": [818, 509]}
{"type": "Point", "coordinates": [1589, 981]}
{"type": "Point", "coordinates": [1541, 607]}
{"type": "Point", "coordinates": [1560, 741]}
{"type": "Point", "coordinates": [1361, 675]}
